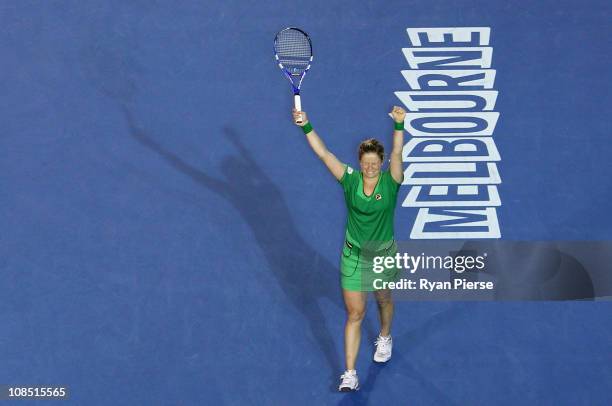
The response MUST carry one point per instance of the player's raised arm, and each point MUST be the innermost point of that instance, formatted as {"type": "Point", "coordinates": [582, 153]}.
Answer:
{"type": "Point", "coordinates": [397, 171]}
{"type": "Point", "coordinates": [316, 143]}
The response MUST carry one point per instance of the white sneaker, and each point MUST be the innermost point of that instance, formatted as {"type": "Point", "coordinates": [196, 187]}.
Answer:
{"type": "Point", "coordinates": [384, 347]}
{"type": "Point", "coordinates": [350, 382]}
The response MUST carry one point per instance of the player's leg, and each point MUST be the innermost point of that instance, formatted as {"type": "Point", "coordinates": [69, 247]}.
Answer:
{"type": "Point", "coordinates": [384, 302]}
{"type": "Point", "coordinates": [355, 303]}
{"type": "Point", "coordinates": [384, 344]}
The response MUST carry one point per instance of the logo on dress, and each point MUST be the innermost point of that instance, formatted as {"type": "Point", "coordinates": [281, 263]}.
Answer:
{"type": "Point", "coordinates": [349, 170]}
{"type": "Point", "coordinates": [378, 196]}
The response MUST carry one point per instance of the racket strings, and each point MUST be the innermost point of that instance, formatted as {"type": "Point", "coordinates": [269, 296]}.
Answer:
{"type": "Point", "coordinates": [293, 43]}
{"type": "Point", "coordinates": [293, 50]}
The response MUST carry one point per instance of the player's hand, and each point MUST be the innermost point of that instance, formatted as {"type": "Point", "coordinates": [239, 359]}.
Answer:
{"type": "Point", "coordinates": [296, 117]}
{"type": "Point", "coordinates": [398, 114]}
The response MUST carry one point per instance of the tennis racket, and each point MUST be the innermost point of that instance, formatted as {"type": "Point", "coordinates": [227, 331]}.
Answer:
{"type": "Point", "coordinates": [293, 52]}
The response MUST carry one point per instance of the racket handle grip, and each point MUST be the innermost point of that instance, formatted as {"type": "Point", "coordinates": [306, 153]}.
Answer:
{"type": "Point", "coordinates": [297, 102]}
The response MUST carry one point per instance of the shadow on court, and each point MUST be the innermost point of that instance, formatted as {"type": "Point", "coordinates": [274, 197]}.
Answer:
{"type": "Point", "coordinates": [304, 276]}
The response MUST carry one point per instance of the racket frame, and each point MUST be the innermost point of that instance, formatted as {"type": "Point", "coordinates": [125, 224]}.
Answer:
{"type": "Point", "coordinates": [297, 101]}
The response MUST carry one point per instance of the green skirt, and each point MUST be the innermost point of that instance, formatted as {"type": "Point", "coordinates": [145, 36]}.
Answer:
{"type": "Point", "coordinates": [357, 268]}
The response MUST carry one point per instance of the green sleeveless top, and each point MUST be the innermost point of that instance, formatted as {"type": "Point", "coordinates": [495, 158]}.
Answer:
{"type": "Point", "coordinates": [370, 218]}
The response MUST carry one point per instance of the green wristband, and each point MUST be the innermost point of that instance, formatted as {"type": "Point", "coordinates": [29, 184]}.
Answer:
{"type": "Point", "coordinates": [399, 126]}
{"type": "Point", "coordinates": [307, 128]}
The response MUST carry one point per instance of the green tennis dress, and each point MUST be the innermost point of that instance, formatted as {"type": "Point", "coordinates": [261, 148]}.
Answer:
{"type": "Point", "coordinates": [369, 231]}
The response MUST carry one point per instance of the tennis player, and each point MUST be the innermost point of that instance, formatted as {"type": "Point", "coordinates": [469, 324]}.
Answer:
{"type": "Point", "coordinates": [371, 196]}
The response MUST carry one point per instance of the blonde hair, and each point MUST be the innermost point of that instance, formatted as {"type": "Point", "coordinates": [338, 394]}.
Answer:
{"type": "Point", "coordinates": [371, 145]}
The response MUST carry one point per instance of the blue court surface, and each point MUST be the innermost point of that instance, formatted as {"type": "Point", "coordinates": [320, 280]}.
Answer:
{"type": "Point", "coordinates": [169, 238]}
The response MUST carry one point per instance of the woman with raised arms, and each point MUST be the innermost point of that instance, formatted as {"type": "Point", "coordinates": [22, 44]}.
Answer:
{"type": "Point", "coordinates": [371, 196]}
